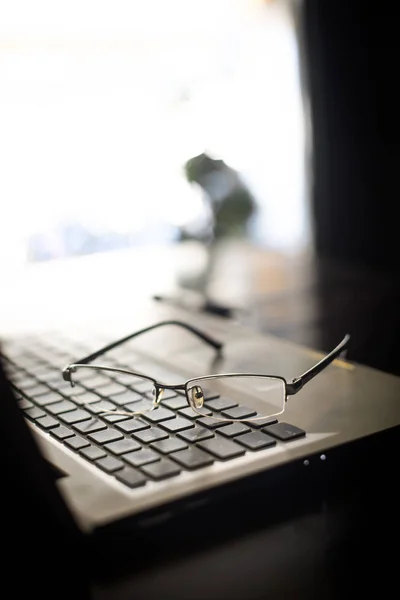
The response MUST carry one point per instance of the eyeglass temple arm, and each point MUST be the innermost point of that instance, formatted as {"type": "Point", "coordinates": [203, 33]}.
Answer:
{"type": "Point", "coordinates": [207, 339]}
{"type": "Point", "coordinates": [296, 385]}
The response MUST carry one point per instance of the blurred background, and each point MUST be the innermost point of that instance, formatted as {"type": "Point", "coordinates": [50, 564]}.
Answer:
{"type": "Point", "coordinates": [217, 146]}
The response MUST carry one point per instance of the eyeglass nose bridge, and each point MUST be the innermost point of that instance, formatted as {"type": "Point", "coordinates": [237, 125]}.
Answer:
{"type": "Point", "coordinates": [158, 392]}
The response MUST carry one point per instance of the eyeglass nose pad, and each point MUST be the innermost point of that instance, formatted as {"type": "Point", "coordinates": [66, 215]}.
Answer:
{"type": "Point", "coordinates": [158, 394]}
{"type": "Point", "coordinates": [197, 396]}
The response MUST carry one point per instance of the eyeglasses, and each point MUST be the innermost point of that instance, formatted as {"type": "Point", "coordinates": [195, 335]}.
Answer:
{"type": "Point", "coordinates": [265, 395]}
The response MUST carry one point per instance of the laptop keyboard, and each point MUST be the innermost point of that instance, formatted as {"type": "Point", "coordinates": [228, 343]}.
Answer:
{"type": "Point", "coordinates": [155, 446]}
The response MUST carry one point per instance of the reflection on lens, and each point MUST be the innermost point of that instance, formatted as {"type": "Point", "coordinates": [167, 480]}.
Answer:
{"type": "Point", "coordinates": [262, 396]}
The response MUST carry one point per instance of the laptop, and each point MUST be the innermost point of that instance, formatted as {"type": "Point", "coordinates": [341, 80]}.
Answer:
{"type": "Point", "coordinates": [117, 474]}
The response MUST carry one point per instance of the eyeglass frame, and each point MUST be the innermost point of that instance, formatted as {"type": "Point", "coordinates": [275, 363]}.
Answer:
{"type": "Point", "coordinates": [291, 388]}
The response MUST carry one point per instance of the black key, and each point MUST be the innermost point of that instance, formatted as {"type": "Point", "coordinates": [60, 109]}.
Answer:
{"type": "Point", "coordinates": [159, 414]}
{"type": "Point", "coordinates": [123, 446]}
{"type": "Point", "coordinates": [239, 412]}
{"type": "Point", "coordinates": [231, 431]}
{"type": "Point", "coordinates": [109, 464]}
{"type": "Point", "coordinates": [175, 403]}
{"type": "Point", "coordinates": [49, 398]}
{"type": "Point", "coordinates": [86, 398]}
{"type": "Point", "coordinates": [141, 457]}
{"type": "Point", "coordinates": [196, 434]}
{"type": "Point", "coordinates": [61, 432]}
{"type": "Point", "coordinates": [285, 432]}
{"type": "Point", "coordinates": [114, 418]}
{"type": "Point", "coordinates": [153, 434]}
{"type": "Point", "coordinates": [143, 406]}
{"type": "Point", "coordinates": [222, 403]}
{"type": "Point", "coordinates": [162, 469]}
{"type": "Point", "coordinates": [92, 452]}
{"type": "Point", "coordinates": [68, 391]}
{"type": "Point", "coordinates": [132, 425]}
{"type": "Point", "coordinates": [261, 422]}
{"type": "Point", "coordinates": [34, 413]}
{"type": "Point", "coordinates": [96, 381]}
{"type": "Point", "coordinates": [61, 407]}
{"type": "Point", "coordinates": [191, 414]}
{"type": "Point", "coordinates": [76, 442]}
{"type": "Point", "coordinates": [193, 458]}
{"type": "Point", "coordinates": [169, 445]}
{"type": "Point", "coordinates": [209, 394]}
{"type": "Point", "coordinates": [143, 386]}
{"type": "Point", "coordinates": [98, 407]}
{"type": "Point", "coordinates": [112, 389]}
{"type": "Point", "coordinates": [169, 394]}
{"type": "Point", "coordinates": [222, 448]}
{"type": "Point", "coordinates": [130, 477]}
{"type": "Point", "coordinates": [177, 424]}
{"type": "Point", "coordinates": [38, 390]}
{"type": "Point", "coordinates": [256, 440]}
{"type": "Point", "coordinates": [47, 423]}
{"type": "Point", "coordinates": [24, 404]}
{"type": "Point", "coordinates": [75, 416]}
{"type": "Point", "coordinates": [105, 436]}
{"type": "Point", "coordinates": [89, 426]}
{"type": "Point", "coordinates": [211, 423]}
{"type": "Point", "coordinates": [126, 398]}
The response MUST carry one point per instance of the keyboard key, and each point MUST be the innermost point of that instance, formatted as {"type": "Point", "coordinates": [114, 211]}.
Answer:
{"type": "Point", "coordinates": [105, 436]}
{"type": "Point", "coordinates": [177, 424]}
{"type": "Point", "coordinates": [239, 412]}
{"type": "Point", "coordinates": [126, 398]}
{"type": "Point", "coordinates": [222, 448]}
{"type": "Point", "coordinates": [285, 432]}
{"type": "Point", "coordinates": [209, 394]}
{"type": "Point", "coordinates": [153, 434]}
{"type": "Point", "coordinates": [143, 406]}
{"type": "Point", "coordinates": [130, 477]}
{"type": "Point", "coordinates": [162, 469]}
{"type": "Point", "coordinates": [92, 452]}
{"type": "Point", "coordinates": [34, 413]}
{"type": "Point", "coordinates": [68, 391]}
{"type": "Point", "coordinates": [114, 418]}
{"type": "Point", "coordinates": [109, 464]}
{"type": "Point", "coordinates": [169, 445]}
{"type": "Point", "coordinates": [256, 440]}
{"type": "Point", "coordinates": [24, 404]}
{"type": "Point", "coordinates": [49, 398]}
{"type": "Point", "coordinates": [112, 389]}
{"type": "Point", "coordinates": [61, 432]}
{"type": "Point", "coordinates": [123, 446]}
{"type": "Point", "coordinates": [76, 442]}
{"type": "Point", "coordinates": [143, 386]}
{"type": "Point", "coordinates": [231, 431]}
{"type": "Point", "coordinates": [193, 458]}
{"type": "Point", "coordinates": [196, 434]}
{"type": "Point", "coordinates": [131, 425]}
{"type": "Point", "coordinates": [38, 390]}
{"type": "Point", "coordinates": [211, 423]}
{"type": "Point", "coordinates": [96, 380]}
{"type": "Point", "coordinates": [175, 403]}
{"type": "Point", "coordinates": [169, 394]}
{"type": "Point", "coordinates": [141, 457]}
{"type": "Point", "coordinates": [75, 416]}
{"type": "Point", "coordinates": [262, 422]}
{"type": "Point", "coordinates": [222, 403]}
{"type": "Point", "coordinates": [47, 423]}
{"type": "Point", "coordinates": [191, 414]}
{"type": "Point", "coordinates": [159, 414]}
{"type": "Point", "coordinates": [61, 407]}
{"type": "Point", "coordinates": [98, 407]}
{"type": "Point", "coordinates": [89, 426]}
